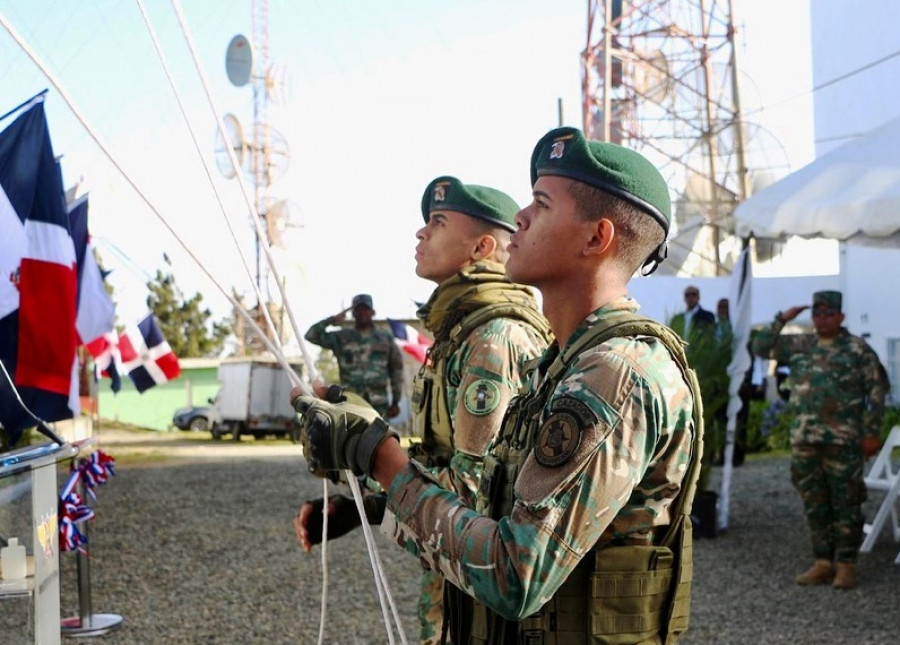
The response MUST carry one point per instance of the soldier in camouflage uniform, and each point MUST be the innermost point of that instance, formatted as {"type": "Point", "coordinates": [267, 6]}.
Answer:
{"type": "Point", "coordinates": [581, 529]}
{"type": "Point", "coordinates": [486, 330]}
{"type": "Point", "coordinates": [837, 400]}
{"type": "Point", "coordinates": [368, 358]}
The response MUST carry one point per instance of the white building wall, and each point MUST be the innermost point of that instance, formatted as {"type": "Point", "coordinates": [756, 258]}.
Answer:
{"type": "Point", "coordinates": [856, 64]}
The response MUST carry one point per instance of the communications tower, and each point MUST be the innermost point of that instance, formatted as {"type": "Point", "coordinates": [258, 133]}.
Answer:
{"type": "Point", "coordinates": [263, 155]}
{"type": "Point", "coordinates": [662, 77]}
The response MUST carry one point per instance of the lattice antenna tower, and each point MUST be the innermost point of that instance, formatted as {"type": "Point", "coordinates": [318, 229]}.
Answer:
{"type": "Point", "coordinates": [262, 153]}
{"type": "Point", "coordinates": [259, 145]}
{"type": "Point", "coordinates": [661, 77]}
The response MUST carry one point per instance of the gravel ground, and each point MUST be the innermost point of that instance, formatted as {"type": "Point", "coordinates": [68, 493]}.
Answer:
{"type": "Point", "coordinates": [199, 549]}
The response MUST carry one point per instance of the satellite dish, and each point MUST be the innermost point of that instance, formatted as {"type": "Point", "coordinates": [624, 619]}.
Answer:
{"type": "Point", "coordinates": [234, 139]}
{"type": "Point", "coordinates": [239, 61]}
{"type": "Point", "coordinates": [270, 149]}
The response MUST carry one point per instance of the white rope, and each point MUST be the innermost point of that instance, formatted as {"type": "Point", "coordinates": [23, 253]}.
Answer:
{"type": "Point", "coordinates": [239, 308]}
{"type": "Point", "coordinates": [295, 379]}
{"type": "Point", "coordinates": [381, 581]}
{"type": "Point", "coordinates": [323, 601]}
{"type": "Point", "coordinates": [260, 232]}
{"type": "Point", "coordinates": [209, 176]}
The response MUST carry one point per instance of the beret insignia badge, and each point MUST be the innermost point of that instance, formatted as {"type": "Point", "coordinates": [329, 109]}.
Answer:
{"type": "Point", "coordinates": [440, 193]}
{"type": "Point", "coordinates": [557, 149]}
{"type": "Point", "coordinates": [560, 436]}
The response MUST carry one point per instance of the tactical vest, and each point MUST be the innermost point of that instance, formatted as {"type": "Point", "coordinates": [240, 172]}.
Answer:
{"type": "Point", "coordinates": [431, 411]}
{"type": "Point", "coordinates": [618, 594]}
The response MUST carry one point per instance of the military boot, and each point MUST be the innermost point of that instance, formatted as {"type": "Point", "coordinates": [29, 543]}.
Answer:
{"type": "Point", "coordinates": [820, 573]}
{"type": "Point", "coordinates": [845, 578]}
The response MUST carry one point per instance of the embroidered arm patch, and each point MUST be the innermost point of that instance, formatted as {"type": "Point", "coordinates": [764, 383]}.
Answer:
{"type": "Point", "coordinates": [481, 397]}
{"type": "Point", "coordinates": [560, 435]}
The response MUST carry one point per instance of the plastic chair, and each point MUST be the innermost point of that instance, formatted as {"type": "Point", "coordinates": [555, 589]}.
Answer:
{"type": "Point", "coordinates": [884, 476]}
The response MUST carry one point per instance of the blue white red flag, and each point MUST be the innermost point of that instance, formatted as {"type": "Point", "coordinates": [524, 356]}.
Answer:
{"type": "Point", "coordinates": [410, 339]}
{"type": "Point", "coordinates": [37, 279]}
{"type": "Point", "coordinates": [146, 356]}
{"type": "Point", "coordinates": [96, 312]}
{"type": "Point", "coordinates": [107, 360]}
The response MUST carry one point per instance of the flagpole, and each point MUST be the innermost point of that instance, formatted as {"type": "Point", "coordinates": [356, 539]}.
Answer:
{"type": "Point", "coordinates": [28, 102]}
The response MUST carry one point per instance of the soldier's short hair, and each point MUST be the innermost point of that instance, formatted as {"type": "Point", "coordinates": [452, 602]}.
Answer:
{"type": "Point", "coordinates": [640, 234]}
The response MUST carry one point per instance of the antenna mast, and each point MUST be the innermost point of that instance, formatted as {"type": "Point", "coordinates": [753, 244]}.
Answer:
{"type": "Point", "coordinates": [661, 77]}
{"type": "Point", "coordinates": [263, 157]}
{"type": "Point", "coordinates": [259, 146]}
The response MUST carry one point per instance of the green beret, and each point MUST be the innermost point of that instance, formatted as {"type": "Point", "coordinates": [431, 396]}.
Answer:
{"type": "Point", "coordinates": [607, 166]}
{"type": "Point", "coordinates": [831, 299]}
{"type": "Point", "coordinates": [481, 202]}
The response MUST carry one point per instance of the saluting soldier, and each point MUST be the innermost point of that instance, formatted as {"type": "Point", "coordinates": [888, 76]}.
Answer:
{"type": "Point", "coordinates": [580, 530]}
{"type": "Point", "coordinates": [369, 362]}
{"type": "Point", "coordinates": [486, 331]}
{"type": "Point", "coordinates": [838, 387]}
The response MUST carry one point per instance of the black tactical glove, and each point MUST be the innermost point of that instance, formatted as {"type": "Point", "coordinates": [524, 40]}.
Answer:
{"type": "Point", "coordinates": [343, 518]}
{"type": "Point", "coordinates": [340, 436]}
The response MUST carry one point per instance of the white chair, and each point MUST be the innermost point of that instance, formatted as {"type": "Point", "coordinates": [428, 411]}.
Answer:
{"type": "Point", "coordinates": [884, 476]}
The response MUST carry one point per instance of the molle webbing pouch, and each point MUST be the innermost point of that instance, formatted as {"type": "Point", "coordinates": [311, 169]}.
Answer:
{"type": "Point", "coordinates": [419, 402]}
{"type": "Point", "coordinates": [502, 464]}
{"type": "Point", "coordinates": [430, 422]}
{"type": "Point", "coordinates": [629, 590]}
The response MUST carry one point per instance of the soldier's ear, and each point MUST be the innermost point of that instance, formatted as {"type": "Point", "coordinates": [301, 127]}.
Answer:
{"type": "Point", "coordinates": [484, 247]}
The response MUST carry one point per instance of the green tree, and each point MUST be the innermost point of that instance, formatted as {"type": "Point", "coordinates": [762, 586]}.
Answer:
{"type": "Point", "coordinates": [184, 324]}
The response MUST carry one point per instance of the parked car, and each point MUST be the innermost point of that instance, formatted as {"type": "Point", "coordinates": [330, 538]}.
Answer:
{"type": "Point", "coordinates": [194, 418]}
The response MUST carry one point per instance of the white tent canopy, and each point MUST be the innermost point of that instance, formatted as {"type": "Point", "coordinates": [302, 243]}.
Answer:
{"type": "Point", "coordinates": [851, 194]}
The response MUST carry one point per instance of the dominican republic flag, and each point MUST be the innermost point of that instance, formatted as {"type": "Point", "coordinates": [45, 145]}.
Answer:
{"type": "Point", "coordinates": [96, 312]}
{"type": "Point", "coordinates": [37, 279]}
{"type": "Point", "coordinates": [410, 340]}
{"type": "Point", "coordinates": [146, 356]}
{"type": "Point", "coordinates": [107, 359]}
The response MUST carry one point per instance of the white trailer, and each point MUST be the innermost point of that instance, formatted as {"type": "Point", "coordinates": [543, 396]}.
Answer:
{"type": "Point", "coordinates": [253, 399]}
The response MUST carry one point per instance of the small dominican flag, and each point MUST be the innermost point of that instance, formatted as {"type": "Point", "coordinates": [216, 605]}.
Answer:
{"type": "Point", "coordinates": [107, 359]}
{"type": "Point", "coordinates": [410, 340]}
{"type": "Point", "coordinates": [146, 356]}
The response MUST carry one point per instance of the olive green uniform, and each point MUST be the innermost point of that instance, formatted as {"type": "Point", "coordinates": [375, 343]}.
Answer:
{"type": "Point", "coordinates": [837, 398]}
{"type": "Point", "coordinates": [612, 444]}
{"type": "Point", "coordinates": [369, 361]}
{"type": "Point", "coordinates": [465, 388]}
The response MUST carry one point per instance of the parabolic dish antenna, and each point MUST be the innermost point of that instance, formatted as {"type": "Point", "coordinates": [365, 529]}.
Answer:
{"type": "Point", "coordinates": [234, 139]}
{"type": "Point", "coordinates": [268, 154]}
{"type": "Point", "coordinates": [239, 61]}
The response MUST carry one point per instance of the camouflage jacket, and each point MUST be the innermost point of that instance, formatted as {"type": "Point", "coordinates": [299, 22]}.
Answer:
{"type": "Point", "coordinates": [491, 359]}
{"type": "Point", "coordinates": [368, 361]}
{"type": "Point", "coordinates": [837, 389]}
{"type": "Point", "coordinates": [633, 409]}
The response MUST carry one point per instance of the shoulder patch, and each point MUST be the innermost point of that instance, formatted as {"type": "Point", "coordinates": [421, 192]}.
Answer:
{"type": "Point", "coordinates": [482, 397]}
{"type": "Point", "coordinates": [560, 435]}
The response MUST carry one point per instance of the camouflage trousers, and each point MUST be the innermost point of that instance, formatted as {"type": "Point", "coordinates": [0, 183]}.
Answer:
{"type": "Point", "coordinates": [829, 479]}
{"type": "Point", "coordinates": [431, 608]}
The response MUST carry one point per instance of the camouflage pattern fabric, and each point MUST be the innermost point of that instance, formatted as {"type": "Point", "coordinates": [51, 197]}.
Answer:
{"type": "Point", "coordinates": [482, 376]}
{"type": "Point", "coordinates": [618, 480]}
{"type": "Point", "coordinates": [837, 398]}
{"type": "Point", "coordinates": [368, 361]}
{"type": "Point", "coordinates": [837, 388]}
{"type": "Point", "coordinates": [830, 482]}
